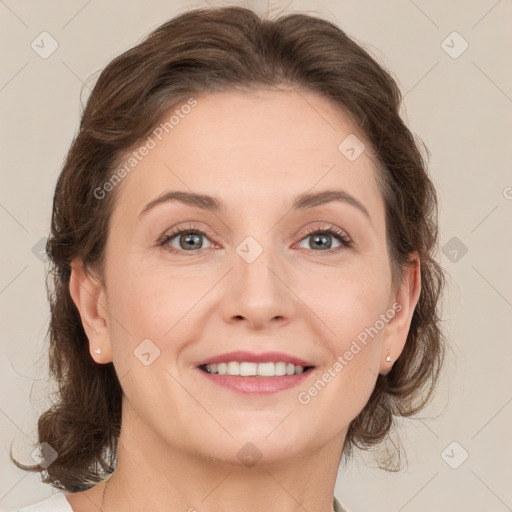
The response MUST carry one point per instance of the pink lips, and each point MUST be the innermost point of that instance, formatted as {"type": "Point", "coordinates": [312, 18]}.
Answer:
{"type": "Point", "coordinates": [256, 385]}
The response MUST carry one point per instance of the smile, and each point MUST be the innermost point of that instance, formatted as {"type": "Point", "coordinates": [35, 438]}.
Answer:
{"type": "Point", "coordinates": [255, 373]}
{"type": "Point", "coordinates": [250, 369]}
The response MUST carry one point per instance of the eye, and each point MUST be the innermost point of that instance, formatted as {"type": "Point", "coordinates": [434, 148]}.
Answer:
{"type": "Point", "coordinates": [186, 239]}
{"type": "Point", "coordinates": [190, 239]}
{"type": "Point", "coordinates": [322, 238]}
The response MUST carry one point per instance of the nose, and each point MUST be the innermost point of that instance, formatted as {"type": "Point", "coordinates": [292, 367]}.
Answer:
{"type": "Point", "coordinates": [258, 293]}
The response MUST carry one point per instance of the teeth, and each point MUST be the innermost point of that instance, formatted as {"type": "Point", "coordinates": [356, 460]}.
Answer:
{"type": "Point", "coordinates": [280, 369]}
{"type": "Point", "coordinates": [265, 369]}
{"type": "Point", "coordinates": [246, 369]}
{"type": "Point", "coordinates": [233, 368]}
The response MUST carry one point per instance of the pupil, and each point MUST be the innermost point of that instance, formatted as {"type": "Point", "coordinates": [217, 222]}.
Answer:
{"type": "Point", "coordinates": [190, 239]}
{"type": "Point", "coordinates": [324, 239]}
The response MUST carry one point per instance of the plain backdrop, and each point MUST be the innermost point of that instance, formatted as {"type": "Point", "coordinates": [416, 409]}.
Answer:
{"type": "Point", "coordinates": [452, 62]}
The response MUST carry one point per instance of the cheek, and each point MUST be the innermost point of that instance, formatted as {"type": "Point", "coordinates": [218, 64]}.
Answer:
{"type": "Point", "coordinates": [349, 301]}
{"type": "Point", "coordinates": [358, 312]}
{"type": "Point", "coordinates": [151, 304]}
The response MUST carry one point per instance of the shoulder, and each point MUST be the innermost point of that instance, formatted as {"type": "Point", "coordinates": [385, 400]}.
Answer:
{"type": "Point", "coordinates": [338, 507]}
{"type": "Point", "coordinates": [55, 503]}
{"type": "Point", "coordinates": [59, 503]}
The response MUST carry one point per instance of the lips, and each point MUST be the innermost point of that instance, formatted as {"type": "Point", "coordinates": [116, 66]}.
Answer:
{"type": "Point", "coordinates": [251, 357]}
{"type": "Point", "coordinates": [250, 373]}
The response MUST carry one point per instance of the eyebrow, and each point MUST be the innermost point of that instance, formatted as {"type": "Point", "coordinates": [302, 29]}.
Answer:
{"type": "Point", "coordinates": [301, 202]}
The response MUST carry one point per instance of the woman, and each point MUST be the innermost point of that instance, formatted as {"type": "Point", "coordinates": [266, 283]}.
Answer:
{"type": "Point", "coordinates": [244, 286]}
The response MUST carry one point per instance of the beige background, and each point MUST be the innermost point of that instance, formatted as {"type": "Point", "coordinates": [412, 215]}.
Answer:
{"type": "Point", "coordinates": [461, 108]}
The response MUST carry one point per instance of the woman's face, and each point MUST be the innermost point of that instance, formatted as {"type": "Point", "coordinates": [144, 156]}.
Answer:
{"type": "Point", "coordinates": [248, 275]}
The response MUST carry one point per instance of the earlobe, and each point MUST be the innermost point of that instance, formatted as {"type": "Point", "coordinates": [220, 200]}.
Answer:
{"type": "Point", "coordinates": [88, 294]}
{"type": "Point", "coordinates": [397, 329]}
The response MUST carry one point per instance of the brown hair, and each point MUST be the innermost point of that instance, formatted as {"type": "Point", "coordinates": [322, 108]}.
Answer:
{"type": "Point", "coordinates": [197, 52]}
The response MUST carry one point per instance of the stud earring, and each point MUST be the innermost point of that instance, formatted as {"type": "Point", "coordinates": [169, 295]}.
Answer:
{"type": "Point", "coordinates": [98, 351]}
{"type": "Point", "coordinates": [388, 357]}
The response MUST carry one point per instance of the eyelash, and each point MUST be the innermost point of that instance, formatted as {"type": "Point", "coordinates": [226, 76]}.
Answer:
{"type": "Point", "coordinates": [346, 242]}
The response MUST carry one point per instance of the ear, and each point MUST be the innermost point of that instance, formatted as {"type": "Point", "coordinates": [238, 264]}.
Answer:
{"type": "Point", "coordinates": [89, 295]}
{"type": "Point", "coordinates": [403, 303]}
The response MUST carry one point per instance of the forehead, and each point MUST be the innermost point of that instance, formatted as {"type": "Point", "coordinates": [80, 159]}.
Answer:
{"type": "Point", "coordinates": [250, 146]}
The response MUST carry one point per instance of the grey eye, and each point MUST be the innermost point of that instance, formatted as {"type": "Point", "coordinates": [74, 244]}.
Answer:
{"type": "Point", "coordinates": [322, 240]}
{"type": "Point", "coordinates": [186, 240]}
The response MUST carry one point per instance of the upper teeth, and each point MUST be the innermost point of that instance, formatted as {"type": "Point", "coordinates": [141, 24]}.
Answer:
{"type": "Point", "coordinates": [247, 369]}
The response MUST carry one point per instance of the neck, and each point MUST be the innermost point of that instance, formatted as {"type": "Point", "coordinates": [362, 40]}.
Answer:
{"type": "Point", "coordinates": [149, 476]}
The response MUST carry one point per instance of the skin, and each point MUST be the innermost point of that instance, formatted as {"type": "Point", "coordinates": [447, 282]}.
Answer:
{"type": "Point", "coordinates": [180, 433]}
